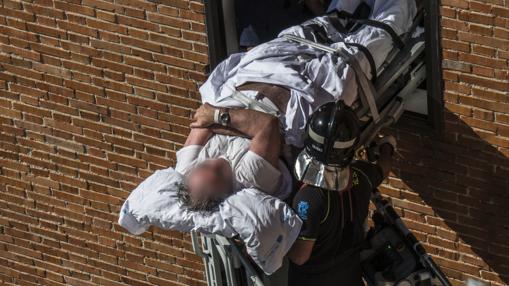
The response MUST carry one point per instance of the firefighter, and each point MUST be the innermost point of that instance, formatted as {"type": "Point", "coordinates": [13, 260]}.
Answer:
{"type": "Point", "coordinates": [334, 198]}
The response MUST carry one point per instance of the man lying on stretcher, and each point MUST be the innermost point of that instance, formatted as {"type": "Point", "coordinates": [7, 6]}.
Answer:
{"type": "Point", "coordinates": [284, 80]}
{"type": "Point", "coordinates": [218, 165]}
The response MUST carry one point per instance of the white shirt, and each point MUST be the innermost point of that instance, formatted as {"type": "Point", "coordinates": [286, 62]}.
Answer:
{"type": "Point", "coordinates": [250, 169]}
{"type": "Point", "coordinates": [313, 77]}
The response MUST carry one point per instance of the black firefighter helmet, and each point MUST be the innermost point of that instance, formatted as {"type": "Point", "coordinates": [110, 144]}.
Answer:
{"type": "Point", "coordinates": [330, 140]}
{"type": "Point", "coordinates": [332, 133]}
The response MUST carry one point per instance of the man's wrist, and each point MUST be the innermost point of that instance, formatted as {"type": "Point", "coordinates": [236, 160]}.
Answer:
{"type": "Point", "coordinates": [224, 117]}
{"type": "Point", "coordinates": [217, 113]}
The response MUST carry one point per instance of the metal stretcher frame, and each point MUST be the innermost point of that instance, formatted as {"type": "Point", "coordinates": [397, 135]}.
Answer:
{"type": "Point", "coordinates": [381, 105]}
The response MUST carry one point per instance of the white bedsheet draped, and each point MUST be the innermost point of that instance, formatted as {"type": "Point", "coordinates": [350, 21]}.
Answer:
{"type": "Point", "coordinates": [313, 77]}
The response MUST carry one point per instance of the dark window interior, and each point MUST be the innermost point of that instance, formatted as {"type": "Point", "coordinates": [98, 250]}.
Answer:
{"type": "Point", "coordinates": [225, 33]}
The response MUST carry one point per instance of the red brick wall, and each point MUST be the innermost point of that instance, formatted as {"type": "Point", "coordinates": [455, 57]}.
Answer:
{"type": "Point", "coordinates": [453, 189]}
{"type": "Point", "coordinates": [95, 95]}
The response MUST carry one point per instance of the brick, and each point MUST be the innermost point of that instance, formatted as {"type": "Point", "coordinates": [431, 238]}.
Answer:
{"type": "Point", "coordinates": [456, 3]}
{"type": "Point", "coordinates": [48, 31]}
{"type": "Point", "coordinates": [147, 84]}
{"type": "Point", "coordinates": [140, 44]}
{"type": "Point", "coordinates": [454, 65]}
{"type": "Point", "coordinates": [455, 24]}
{"type": "Point", "coordinates": [489, 94]}
{"type": "Point", "coordinates": [168, 21]}
{"type": "Point", "coordinates": [127, 160]}
{"type": "Point", "coordinates": [481, 71]}
{"type": "Point", "coordinates": [484, 114]}
{"type": "Point", "coordinates": [129, 21]}
{"type": "Point", "coordinates": [481, 29]}
{"type": "Point", "coordinates": [21, 52]}
{"type": "Point", "coordinates": [500, 11]}
{"type": "Point", "coordinates": [138, 101]}
{"type": "Point", "coordinates": [484, 61]}
{"type": "Point", "coordinates": [484, 82]}
{"type": "Point", "coordinates": [150, 65]}
{"type": "Point", "coordinates": [483, 40]}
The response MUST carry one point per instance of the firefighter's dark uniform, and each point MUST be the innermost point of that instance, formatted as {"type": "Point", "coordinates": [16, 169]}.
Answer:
{"type": "Point", "coordinates": [335, 221]}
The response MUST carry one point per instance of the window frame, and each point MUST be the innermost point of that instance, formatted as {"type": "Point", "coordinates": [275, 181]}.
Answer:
{"type": "Point", "coordinates": [434, 81]}
{"type": "Point", "coordinates": [214, 27]}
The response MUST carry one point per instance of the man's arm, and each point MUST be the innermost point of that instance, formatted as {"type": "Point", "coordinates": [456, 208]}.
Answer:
{"type": "Point", "coordinates": [385, 159]}
{"type": "Point", "coordinates": [384, 151]}
{"type": "Point", "coordinates": [301, 250]}
{"type": "Point", "coordinates": [310, 206]}
{"type": "Point", "coordinates": [198, 136]}
{"type": "Point", "coordinates": [223, 130]}
{"type": "Point", "coordinates": [186, 156]}
{"type": "Point", "coordinates": [262, 128]}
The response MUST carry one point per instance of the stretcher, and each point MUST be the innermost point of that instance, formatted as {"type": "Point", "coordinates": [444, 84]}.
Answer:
{"type": "Point", "coordinates": [380, 104]}
{"type": "Point", "coordinates": [391, 256]}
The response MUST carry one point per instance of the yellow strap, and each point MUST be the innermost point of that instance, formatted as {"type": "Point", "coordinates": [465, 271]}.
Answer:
{"type": "Point", "coordinates": [306, 238]}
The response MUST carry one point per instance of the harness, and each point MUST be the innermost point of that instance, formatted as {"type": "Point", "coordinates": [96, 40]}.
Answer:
{"type": "Point", "coordinates": [355, 21]}
{"type": "Point", "coordinates": [367, 93]}
{"type": "Point", "coordinates": [322, 37]}
{"type": "Point", "coordinates": [263, 105]}
{"type": "Point", "coordinates": [323, 42]}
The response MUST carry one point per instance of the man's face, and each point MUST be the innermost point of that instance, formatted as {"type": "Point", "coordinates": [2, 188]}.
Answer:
{"type": "Point", "coordinates": [211, 179]}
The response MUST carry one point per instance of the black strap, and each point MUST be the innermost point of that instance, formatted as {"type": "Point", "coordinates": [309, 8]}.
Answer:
{"type": "Point", "coordinates": [336, 23]}
{"type": "Point", "coordinates": [361, 12]}
{"type": "Point", "coordinates": [377, 24]}
{"type": "Point", "coordinates": [323, 38]}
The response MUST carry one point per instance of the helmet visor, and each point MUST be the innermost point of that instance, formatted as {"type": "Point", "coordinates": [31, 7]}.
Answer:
{"type": "Point", "coordinates": [312, 172]}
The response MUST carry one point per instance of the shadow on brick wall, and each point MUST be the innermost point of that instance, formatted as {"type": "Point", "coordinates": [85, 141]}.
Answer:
{"type": "Point", "coordinates": [464, 180]}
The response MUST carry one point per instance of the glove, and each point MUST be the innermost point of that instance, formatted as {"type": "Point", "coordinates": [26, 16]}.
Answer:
{"type": "Point", "coordinates": [389, 139]}
{"type": "Point", "coordinates": [373, 151]}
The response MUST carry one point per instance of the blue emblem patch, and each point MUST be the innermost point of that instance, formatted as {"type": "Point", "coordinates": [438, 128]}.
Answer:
{"type": "Point", "coordinates": [302, 210]}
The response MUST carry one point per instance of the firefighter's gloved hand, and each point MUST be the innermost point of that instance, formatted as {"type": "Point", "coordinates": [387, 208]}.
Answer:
{"type": "Point", "coordinates": [389, 139]}
{"type": "Point", "coordinates": [373, 151]}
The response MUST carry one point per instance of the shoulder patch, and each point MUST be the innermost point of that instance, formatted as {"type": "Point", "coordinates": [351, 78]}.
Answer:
{"type": "Point", "coordinates": [365, 176]}
{"type": "Point", "coordinates": [355, 179]}
{"type": "Point", "coordinates": [302, 209]}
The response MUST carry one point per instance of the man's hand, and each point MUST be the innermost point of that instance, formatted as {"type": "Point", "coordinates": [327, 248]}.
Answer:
{"type": "Point", "coordinates": [261, 128]}
{"type": "Point", "coordinates": [386, 150]}
{"type": "Point", "coordinates": [204, 119]}
{"type": "Point", "coordinates": [387, 147]}
{"type": "Point", "coordinates": [204, 116]}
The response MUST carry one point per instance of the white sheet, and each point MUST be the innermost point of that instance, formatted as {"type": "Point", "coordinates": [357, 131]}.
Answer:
{"type": "Point", "coordinates": [267, 226]}
{"type": "Point", "coordinates": [313, 77]}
